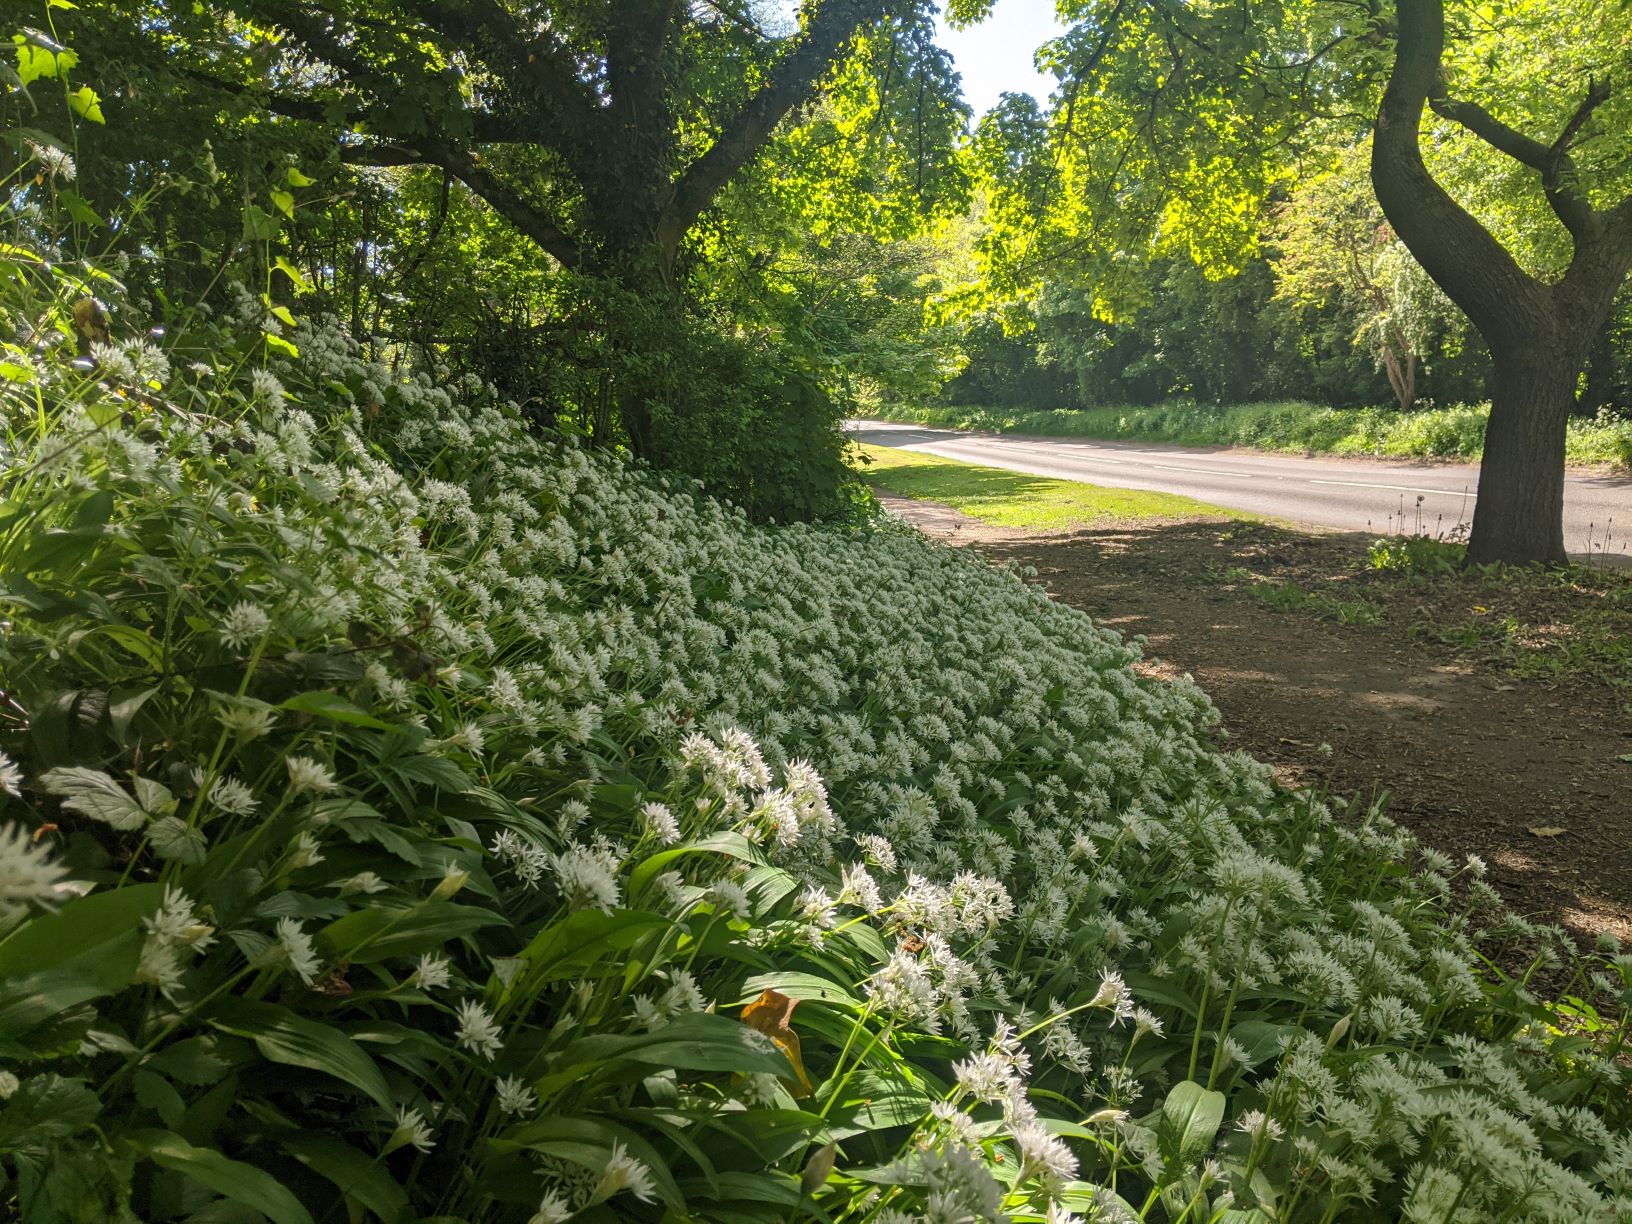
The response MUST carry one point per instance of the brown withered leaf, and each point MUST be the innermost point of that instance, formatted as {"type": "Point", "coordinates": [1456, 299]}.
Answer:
{"type": "Point", "coordinates": [771, 1014]}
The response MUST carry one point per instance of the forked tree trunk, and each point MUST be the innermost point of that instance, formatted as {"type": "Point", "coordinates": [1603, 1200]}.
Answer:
{"type": "Point", "coordinates": [1539, 333]}
{"type": "Point", "coordinates": [1519, 516]}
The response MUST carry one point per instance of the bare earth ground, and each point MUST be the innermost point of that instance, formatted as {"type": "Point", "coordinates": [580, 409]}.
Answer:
{"type": "Point", "coordinates": [1474, 757]}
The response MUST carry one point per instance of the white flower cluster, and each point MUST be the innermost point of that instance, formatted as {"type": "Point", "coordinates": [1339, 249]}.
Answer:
{"type": "Point", "coordinates": [906, 733]}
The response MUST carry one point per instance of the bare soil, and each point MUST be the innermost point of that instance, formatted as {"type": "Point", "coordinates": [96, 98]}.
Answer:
{"type": "Point", "coordinates": [1473, 757]}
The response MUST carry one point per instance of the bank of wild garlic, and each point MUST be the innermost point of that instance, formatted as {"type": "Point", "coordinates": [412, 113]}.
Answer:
{"type": "Point", "coordinates": [406, 816]}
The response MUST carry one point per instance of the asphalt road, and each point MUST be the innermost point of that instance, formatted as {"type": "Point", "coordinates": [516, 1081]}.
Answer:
{"type": "Point", "coordinates": [1347, 494]}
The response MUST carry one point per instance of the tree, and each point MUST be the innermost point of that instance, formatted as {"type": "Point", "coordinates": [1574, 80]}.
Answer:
{"type": "Point", "coordinates": [1540, 332]}
{"type": "Point", "coordinates": [1174, 123]}
{"type": "Point", "coordinates": [601, 132]}
{"type": "Point", "coordinates": [1334, 243]}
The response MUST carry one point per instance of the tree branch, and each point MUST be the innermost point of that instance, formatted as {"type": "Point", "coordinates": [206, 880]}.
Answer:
{"type": "Point", "coordinates": [1462, 257]}
{"type": "Point", "coordinates": [832, 25]}
{"type": "Point", "coordinates": [1491, 130]}
{"type": "Point", "coordinates": [568, 113]}
{"type": "Point", "coordinates": [468, 169]}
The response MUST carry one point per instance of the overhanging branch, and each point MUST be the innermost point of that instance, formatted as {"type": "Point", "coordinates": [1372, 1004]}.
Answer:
{"type": "Point", "coordinates": [469, 170]}
{"type": "Point", "coordinates": [832, 25]}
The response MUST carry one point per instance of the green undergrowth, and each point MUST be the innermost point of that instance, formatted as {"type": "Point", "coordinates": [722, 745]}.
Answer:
{"type": "Point", "coordinates": [1016, 499]}
{"type": "Point", "coordinates": [1572, 623]}
{"type": "Point", "coordinates": [406, 816]}
{"type": "Point", "coordinates": [1456, 432]}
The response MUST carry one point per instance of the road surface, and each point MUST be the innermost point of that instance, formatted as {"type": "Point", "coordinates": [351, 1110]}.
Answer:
{"type": "Point", "coordinates": [1347, 494]}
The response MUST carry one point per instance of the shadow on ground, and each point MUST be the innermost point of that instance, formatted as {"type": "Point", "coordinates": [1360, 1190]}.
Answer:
{"type": "Point", "coordinates": [1473, 757]}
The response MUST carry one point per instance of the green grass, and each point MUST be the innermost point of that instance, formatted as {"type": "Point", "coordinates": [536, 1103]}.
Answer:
{"type": "Point", "coordinates": [1016, 499]}
{"type": "Point", "coordinates": [1456, 432]}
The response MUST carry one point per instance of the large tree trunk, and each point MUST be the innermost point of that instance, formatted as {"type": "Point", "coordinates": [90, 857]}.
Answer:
{"type": "Point", "coordinates": [1519, 517]}
{"type": "Point", "coordinates": [1539, 333]}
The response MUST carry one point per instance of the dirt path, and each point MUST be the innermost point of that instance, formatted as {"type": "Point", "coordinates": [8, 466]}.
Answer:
{"type": "Point", "coordinates": [1474, 758]}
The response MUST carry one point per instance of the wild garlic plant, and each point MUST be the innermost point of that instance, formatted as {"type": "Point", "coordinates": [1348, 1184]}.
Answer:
{"type": "Point", "coordinates": [405, 816]}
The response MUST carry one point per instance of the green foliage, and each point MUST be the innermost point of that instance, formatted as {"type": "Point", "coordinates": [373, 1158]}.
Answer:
{"type": "Point", "coordinates": [1417, 554]}
{"type": "Point", "coordinates": [747, 421]}
{"type": "Point", "coordinates": [378, 839]}
{"type": "Point", "coordinates": [1297, 427]}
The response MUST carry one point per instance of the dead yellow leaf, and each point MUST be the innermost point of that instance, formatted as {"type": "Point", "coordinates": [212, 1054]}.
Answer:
{"type": "Point", "coordinates": [771, 1014]}
{"type": "Point", "coordinates": [1547, 830]}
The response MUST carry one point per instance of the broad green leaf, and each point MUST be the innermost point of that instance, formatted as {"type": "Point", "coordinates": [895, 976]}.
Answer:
{"type": "Point", "coordinates": [283, 1037]}
{"type": "Point", "coordinates": [295, 275]}
{"type": "Point", "coordinates": [89, 922]}
{"type": "Point", "coordinates": [588, 1141]}
{"type": "Point", "coordinates": [333, 707]}
{"type": "Point", "coordinates": [1190, 1119]}
{"type": "Point", "coordinates": [31, 999]}
{"type": "Point", "coordinates": [233, 1179]}
{"type": "Point", "coordinates": [284, 202]}
{"type": "Point", "coordinates": [359, 1176]}
{"type": "Point", "coordinates": [568, 947]}
{"type": "Point", "coordinates": [297, 179]}
{"type": "Point", "coordinates": [733, 845]}
{"type": "Point", "coordinates": [367, 936]}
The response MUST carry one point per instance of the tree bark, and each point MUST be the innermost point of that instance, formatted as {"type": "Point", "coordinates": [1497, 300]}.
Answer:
{"type": "Point", "coordinates": [1519, 515]}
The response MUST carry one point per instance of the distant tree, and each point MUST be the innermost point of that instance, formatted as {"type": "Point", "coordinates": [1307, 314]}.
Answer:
{"type": "Point", "coordinates": [1334, 247]}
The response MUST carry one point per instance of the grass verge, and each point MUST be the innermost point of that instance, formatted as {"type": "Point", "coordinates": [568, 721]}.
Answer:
{"type": "Point", "coordinates": [1457, 432]}
{"type": "Point", "coordinates": [1017, 499]}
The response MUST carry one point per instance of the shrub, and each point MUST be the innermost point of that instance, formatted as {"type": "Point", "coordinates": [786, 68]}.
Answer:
{"type": "Point", "coordinates": [1454, 432]}
{"type": "Point", "coordinates": [409, 816]}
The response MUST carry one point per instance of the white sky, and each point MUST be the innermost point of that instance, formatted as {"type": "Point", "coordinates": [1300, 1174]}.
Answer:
{"type": "Point", "coordinates": [994, 57]}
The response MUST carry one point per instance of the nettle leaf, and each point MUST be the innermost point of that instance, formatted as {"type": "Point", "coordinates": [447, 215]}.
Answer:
{"type": "Point", "coordinates": [94, 794]}
{"type": "Point", "coordinates": [172, 839]}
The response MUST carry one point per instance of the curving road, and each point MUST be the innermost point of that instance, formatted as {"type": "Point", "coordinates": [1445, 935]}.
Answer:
{"type": "Point", "coordinates": [1347, 494]}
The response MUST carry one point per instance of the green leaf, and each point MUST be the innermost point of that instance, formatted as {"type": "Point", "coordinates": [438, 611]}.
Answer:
{"type": "Point", "coordinates": [295, 275]}
{"type": "Point", "coordinates": [283, 315]}
{"type": "Point", "coordinates": [333, 707]}
{"type": "Point", "coordinates": [92, 793]}
{"type": "Point", "coordinates": [81, 925]}
{"type": "Point", "coordinates": [78, 207]}
{"type": "Point", "coordinates": [284, 202]}
{"type": "Point", "coordinates": [359, 1177]}
{"type": "Point", "coordinates": [233, 1179]}
{"type": "Point", "coordinates": [733, 845]}
{"type": "Point", "coordinates": [260, 225]}
{"type": "Point", "coordinates": [281, 345]}
{"type": "Point", "coordinates": [567, 948]}
{"type": "Point", "coordinates": [1190, 1119]}
{"type": "Point", "coordinates": [283, 1037]}
{"type": "Point", "coordinates": [297, 179]}
{"type": "Point", "coordinates": [31, 999]}
{"type": "Point", "coordinates": [86, 103]}
{"type": "Point", "coordinates": [588, 1142]}
{"type": "Point", "coordinates": [367, 936]}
